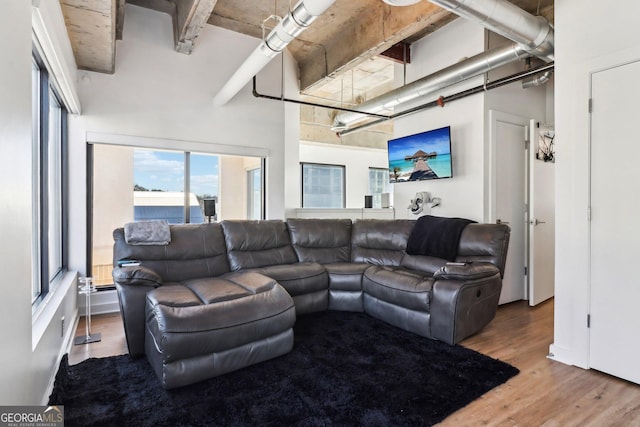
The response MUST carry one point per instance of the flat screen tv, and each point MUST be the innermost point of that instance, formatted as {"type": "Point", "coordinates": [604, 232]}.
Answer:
{"type": "Point", "coordinates": [422, 156]}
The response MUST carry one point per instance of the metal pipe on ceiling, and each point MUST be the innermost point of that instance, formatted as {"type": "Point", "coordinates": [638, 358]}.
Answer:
{"type": "Point", "coordinates": [457, 73]}
{"type": "Point", "coordinates": [537, 80]}
{"type": "Point", "coordinates": [298, 19]}
{"type": "Point", "coordinates": [546, 69]}
{"type": "Point", "coordinates": [281, 97]}
{"type": "Point", "coordinates": [532, 35]}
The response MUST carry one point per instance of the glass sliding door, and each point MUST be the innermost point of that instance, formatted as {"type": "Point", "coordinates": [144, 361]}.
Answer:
{"type": "Point", "coordinates": [112, 205]}
{"type": "Point", "coordinates": [158, 185]}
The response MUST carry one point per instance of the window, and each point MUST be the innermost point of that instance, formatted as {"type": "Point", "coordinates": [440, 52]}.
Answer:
{"type": "Point", "coordinates": [378, 184]}
{"type": "Point", "coordinates": [132, 184]}
{"type": "Point", "coordinates": [203, 183]}
{"type": "Point", "coordinates": [254, 193]}
{"type": "Point", "coordinates": [49, 148]}
{"type": "Point", "coordinates": [323, 186]}
{"type": "Point", "coordinates": [158, 186]}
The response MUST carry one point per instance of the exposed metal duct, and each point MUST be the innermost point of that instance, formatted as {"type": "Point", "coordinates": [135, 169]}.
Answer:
{"type": "Point", "coordinates": [464, 70]}
{"type": "Point", "coordinates": [522, 75]}
{"type": "Point", "coordinates": [300, 17]}
{"type": "Point", "coordinates": [533, 33]}
{"type": "Point", "coordinates": [532, 36]}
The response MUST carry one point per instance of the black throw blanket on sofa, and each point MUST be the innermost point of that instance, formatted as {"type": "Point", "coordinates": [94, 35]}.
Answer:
{"type": "Point", "coordinates": [437, 236]}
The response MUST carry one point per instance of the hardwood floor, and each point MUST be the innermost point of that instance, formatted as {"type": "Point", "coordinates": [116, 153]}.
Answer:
{"type": "Point", "coordinates": [545, 393]}
{"type": "Point", "coordinates": [113, 340]}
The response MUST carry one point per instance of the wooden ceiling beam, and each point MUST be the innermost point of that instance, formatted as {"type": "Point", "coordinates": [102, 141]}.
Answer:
{"type": "Point", "coordinates": [371, 32]}
{"type": "Point", "coordinates": [192, 15]}
{"type": "Point", "coordinates": [119, 18]}
{"type": "Point", "coordinates": [91, 25]}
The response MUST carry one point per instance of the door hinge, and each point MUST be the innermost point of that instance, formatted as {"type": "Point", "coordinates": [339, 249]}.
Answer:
{"type": "Point", "coordinates": [589, 213]}
{"type": "Point", "coordinates": [588, 320]}
{"type": "Point", "coordinates": [526, 271]}
{"type": "Point", "coordinates": [591, 105]}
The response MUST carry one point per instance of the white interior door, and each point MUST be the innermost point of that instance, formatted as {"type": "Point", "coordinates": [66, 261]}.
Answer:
{"type": "Point", "coordinates": [615, 234]}
{"type": "Point", "coordinates": [541, 224]}
{"type": "Point", "coordinates": [508, 135]}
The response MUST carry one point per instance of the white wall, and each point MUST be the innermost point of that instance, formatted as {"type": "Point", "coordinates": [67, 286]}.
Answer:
{"type": "Point", "coordinates": [357, 161]}
{"type": "Point", "coordinates": [462, 195]}
{"type": "Point", "coordinates": [30, 353]}
{"type": "Point", "coordinates": [161, 94]}
{"type": "Point", "coordinates": [467, 193]}
{"type": "Point", "coordinates": [580, 51]}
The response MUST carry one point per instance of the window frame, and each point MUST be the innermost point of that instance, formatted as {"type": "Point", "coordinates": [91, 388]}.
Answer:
{"type": "Point", "coordinates": [344, 183]}
{"type": "Point", "coordinates": [46, 93]}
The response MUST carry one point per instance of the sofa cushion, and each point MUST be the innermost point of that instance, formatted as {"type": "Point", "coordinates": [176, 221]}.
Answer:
{"type": "Point", "coordinates": [324, 241]}
{"type": "Point", "coordinates": [299, 278]}
{"type": "Point", "coordinates": [185, 325]}
{"type": "Point", "coordinates": [253, 244]}
{"type": "Point", "coordinates": [399, 287]}
{"type": "Point", "coordinates": [346, 276]}
{"type": "Point", "coordinates": [196, 250]}
{"type": "Point", "coordinates": [380, 242]}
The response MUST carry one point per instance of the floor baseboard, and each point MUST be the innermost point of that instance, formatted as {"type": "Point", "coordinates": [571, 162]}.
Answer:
{"type": "Point", "coordinates": [64, 349]}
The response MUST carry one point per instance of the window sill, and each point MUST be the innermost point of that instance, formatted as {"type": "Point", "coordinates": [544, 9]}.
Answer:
{"type": "Point", "coordinates": [46, 310]}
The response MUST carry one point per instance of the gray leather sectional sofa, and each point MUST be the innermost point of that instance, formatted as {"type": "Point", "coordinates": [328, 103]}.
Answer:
{"type": "Point", "coordinates": [221, 296]}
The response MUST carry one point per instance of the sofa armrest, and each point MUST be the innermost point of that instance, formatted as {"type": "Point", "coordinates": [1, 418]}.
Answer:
{"type": "Point", "coordinates": [132, 284]}
{"type": "Point", "coordinates": [465, 271]}
{"type": "Point", "coordinates": [136, 275]}
{"type": "Point", "coordinates": [464, 300]}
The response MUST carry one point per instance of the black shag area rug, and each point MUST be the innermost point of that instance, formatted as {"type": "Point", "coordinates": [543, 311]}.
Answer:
{"type": "Point", "coordinates": [345, 369]}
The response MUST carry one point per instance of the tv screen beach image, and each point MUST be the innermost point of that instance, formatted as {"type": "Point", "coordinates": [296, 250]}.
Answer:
{"type": "Point", "coordinates": [422, 156]}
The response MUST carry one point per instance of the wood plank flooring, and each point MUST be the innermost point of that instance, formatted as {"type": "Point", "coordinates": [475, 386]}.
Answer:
{"type": "Point", "coordinates": [545, 393]}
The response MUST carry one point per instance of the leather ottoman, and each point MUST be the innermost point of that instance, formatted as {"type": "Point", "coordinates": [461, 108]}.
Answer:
{"type": "Point", "coordinates": [201, 328]}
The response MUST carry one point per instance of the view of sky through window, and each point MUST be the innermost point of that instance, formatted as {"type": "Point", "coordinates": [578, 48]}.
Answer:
{"type": "Point", "coordinates": [164, 171]}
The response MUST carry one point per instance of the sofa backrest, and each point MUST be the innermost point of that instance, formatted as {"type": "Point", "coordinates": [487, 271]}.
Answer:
{"type": "Point", "coordinates": [253, 244]}
{"type": "Point", "coordinates": [325, 241]}
{"type": "Point", "coordinates": [195, 250]}
{"type": "Point", "coordinates": [485, 243]}
{"type": "Point", "coordinates": [380, 242]}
